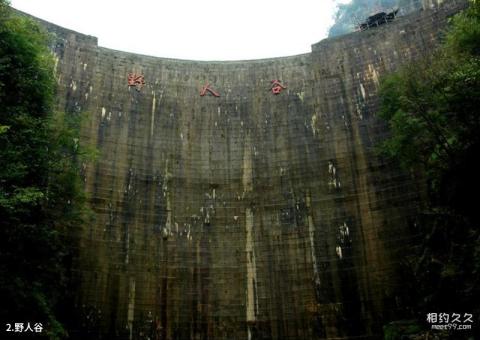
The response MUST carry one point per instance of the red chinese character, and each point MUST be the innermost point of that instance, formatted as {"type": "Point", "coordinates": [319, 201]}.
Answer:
{"type": "Point", "coordinates": [277, 87]}
{"type": "Point", "coordinates": [206, 88]}
{"type": "Point", "coordinates": [136, 80]}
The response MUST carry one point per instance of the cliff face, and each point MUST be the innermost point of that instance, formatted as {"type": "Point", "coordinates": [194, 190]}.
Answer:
{"type": "Point", "coordinates": [249, 215]}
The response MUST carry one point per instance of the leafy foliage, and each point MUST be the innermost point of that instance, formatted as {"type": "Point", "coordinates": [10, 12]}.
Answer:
{"type": "Point", "coordinates": [41, 200]}
{"type": "Point", "coordinates": [433, 110]}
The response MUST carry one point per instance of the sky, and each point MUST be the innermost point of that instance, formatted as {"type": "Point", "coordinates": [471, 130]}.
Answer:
{"type": "Point", "coordinates": [194, 29]}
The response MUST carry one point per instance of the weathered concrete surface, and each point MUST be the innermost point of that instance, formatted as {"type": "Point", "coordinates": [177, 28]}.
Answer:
{"type": "Point", "coordinates": [248, 216]}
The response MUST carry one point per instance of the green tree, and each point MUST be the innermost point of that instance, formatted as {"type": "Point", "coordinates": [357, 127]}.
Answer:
{"type": "Point", "coordinates": [41, 198]}
{"type": "Point", "coordinates": [433, 109]}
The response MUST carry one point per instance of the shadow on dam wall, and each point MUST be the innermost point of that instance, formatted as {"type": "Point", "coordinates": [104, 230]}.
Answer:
{"type": "Point", "coordinates": [249, 215]}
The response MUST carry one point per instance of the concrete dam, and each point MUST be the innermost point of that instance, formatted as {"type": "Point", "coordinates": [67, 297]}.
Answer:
{"type": "Point", "coordinates": [259, 210]}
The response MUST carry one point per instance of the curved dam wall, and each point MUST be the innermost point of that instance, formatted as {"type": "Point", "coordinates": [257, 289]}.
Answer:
{"type": "Point", "coordinates": [245, 216]}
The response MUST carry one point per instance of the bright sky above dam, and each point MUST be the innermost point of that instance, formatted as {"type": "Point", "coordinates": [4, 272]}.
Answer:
{"type": "Point", "coordinates": [194, 29]}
